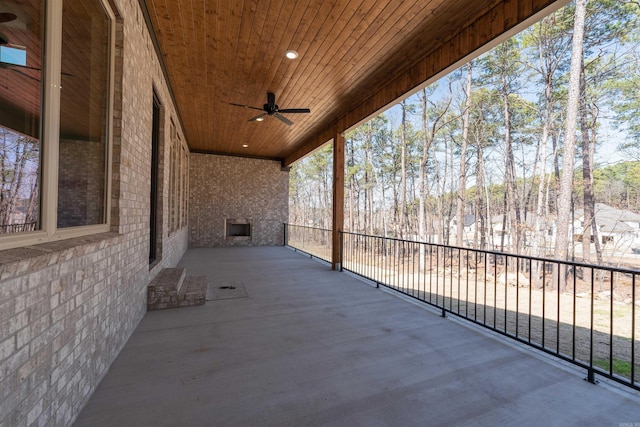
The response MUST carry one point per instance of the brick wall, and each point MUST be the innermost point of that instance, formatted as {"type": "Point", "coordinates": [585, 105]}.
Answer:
{"type": "Point", "coordinates": [68, 307]}
{"type": "Point", "coordinates": [224, 187]}
{"type": "Point", "coordinates": [81, 177]}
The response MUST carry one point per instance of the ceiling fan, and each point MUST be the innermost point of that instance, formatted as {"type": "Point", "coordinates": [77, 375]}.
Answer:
{"type": "Point", "coordinates": [18, 69]}
{"type": "Point", "coordinates": [272, 109]}
{"type": "Point", "coordinates": [6, 18]}
{"type": "Point", "coordinates": [11, 20]}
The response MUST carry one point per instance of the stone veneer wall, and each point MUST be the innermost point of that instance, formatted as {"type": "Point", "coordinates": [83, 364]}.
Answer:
{"type": "Point", "coordinates": [68, 307]}
{"type": "Point", "coordinates": [224, 187]}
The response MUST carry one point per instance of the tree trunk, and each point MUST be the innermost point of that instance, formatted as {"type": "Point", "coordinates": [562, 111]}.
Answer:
{"type": "Point", "coordinates": [512, 211]}
{"type": "Point", "coordinates": [481, 215]}
{"type": "Point", "coordinates": [596, 237]}
{"type": "Point", "coordinates": [463, 163]}
{"type": "Point", "coordinates": [32, 209]}
{"type": "Point", "coordinates": [422, 178]}
{"type": "Point", "coordinates": [4, 171]}
{"type": "Point", "coordinates": [539, 228]}
{"type": "Point", "coordinates": [437, 221]}
{"type": "Point", "coordinates": [566, 180]}
{"type": "Point", "coordinates": [590, 230]}
{"type": "Point", "coordinates": [352, 189]}
{"type": "Point", "coordinates": [403, 172]}
{"type": "Point", "coordinates": [587, 173]}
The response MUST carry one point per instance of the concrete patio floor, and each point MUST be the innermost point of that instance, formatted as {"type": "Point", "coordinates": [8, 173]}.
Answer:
{"type": "Point", "coordinates": [311, 346]}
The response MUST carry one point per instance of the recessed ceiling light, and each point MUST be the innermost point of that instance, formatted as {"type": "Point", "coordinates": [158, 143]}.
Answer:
{"type": "Point", "coordinates": [291, 54]}
{"type": "Point", "coordinates": [259, 119]}
{"type": "Point", "coordinates": [245, 145]}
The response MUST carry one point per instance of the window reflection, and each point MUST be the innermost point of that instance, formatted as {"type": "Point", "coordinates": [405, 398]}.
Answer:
{"type": "Point", "coordinates": [20, 106]}
{"type": "Point", "coordinates": [84, 106]}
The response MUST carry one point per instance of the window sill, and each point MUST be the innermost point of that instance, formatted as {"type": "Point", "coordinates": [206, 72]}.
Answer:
{"type": "Point", "coordinates": [30, 259]}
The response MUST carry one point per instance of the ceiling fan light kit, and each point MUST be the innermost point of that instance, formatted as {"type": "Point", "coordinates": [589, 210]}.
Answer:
{"type": "Point", "coordinates": [272, 109]}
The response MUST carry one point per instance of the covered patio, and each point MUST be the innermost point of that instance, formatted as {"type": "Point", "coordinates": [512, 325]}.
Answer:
{"type": "Point", "coordinates": [312, 346]}
{"type": "Point", "coordinates": [179, 170]}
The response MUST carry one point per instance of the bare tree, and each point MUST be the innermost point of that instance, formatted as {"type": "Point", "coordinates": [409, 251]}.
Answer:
{"type": "Point", "coordinates": [566, 180]}
{"type": "Point", "coordinates": [402, 223]}
{"type": "Point", "coordinates": [462, 177]}
{"type": "Point", "coordinates": [19, 176]}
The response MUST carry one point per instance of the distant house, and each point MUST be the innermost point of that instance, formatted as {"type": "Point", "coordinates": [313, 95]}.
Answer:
{"type": "Point", "coordinates": [497, 236]}
{"type": "Point", "coordinates": [615, 227]}
{"type": "Point", "coordinates": [468, 230]}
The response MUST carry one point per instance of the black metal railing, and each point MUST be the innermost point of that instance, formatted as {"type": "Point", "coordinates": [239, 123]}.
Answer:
{"type": "Point", "coordinates": [315, 242]}
{"type": "Point", "coordinates": [584, 314]}
{"type": "Point", "coordinates": [581, 313]}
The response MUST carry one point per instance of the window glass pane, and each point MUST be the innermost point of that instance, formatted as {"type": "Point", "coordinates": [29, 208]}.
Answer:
{"type": "Point", "coordinates": [84, 107]}
{"type": "Point", "coordinates": [20, 106]}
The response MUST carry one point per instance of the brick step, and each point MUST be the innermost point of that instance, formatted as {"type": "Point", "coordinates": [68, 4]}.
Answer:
{"type": "Point", "coordinates": [163, 291]}
{"type": "Point", "coordinates": [194, 291]}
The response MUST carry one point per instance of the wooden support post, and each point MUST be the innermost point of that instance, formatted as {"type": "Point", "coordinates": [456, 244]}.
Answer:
{"type": "Point", "coordinates": [338, 198]}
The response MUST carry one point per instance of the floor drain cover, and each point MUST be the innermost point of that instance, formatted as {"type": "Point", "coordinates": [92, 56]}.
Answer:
{"type": "Point", "coordinates": [226, 290]}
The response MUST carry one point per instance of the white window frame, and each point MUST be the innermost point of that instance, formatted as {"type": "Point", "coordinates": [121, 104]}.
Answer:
{"type": "Point", "coordinates": [50, 136]}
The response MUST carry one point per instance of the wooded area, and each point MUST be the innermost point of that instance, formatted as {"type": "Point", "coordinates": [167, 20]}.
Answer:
{"type": "Point", "coordinates": [19, 181]}
{"type": "Point", "coordinates": [477, 159]}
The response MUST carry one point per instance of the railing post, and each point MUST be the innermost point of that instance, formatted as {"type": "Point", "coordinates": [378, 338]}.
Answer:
{"type": "Point", "coordinates": [338, 198]}
{"type": "Point", "coordinates": [284, 236]}
{"type": "Point", "coordinates": [341, 248]}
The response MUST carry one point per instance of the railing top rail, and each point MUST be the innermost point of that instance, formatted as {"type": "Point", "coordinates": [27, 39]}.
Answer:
{"type": "Point", "coordinates": [497, 253]}
{"type": "Point", "coordinates": [309, 228]}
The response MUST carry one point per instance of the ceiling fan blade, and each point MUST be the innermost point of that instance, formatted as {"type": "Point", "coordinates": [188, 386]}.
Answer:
{"type": "Point", "coordinates": [7, 17]}
{"type": "Point", "coordinates": [253, 119]}
{"type": "Point", "coordinates": [16, 67]}
{"type": "Point", "coordinates": [25, 74]}
{"type": "Point", "coordinates": [295, 110]}
{"type": "Point", "coordinates": [27, 67]}
{"type": "Point", "coordinates": [271, 100]}
{"type": "Point", "coordinates": [283, 119]}
{"type": "Point", "coordinates": [246, 106]}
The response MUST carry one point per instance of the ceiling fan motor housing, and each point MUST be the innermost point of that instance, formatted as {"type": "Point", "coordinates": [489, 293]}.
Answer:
{"type": "Point", "coordinates": [272, 109]}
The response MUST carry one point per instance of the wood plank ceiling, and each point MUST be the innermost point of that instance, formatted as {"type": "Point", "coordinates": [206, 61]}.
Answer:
{"type": "Point", "coordinates": [221, 52]}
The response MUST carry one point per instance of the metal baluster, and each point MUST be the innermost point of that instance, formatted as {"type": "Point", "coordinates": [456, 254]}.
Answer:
{"type": "Point", "coordinates": [611, 274]}
{"type": "Point", "coordinates": [633, 329]}
{"type": "Point", "coordinates": [590, 374]}
{"type": "Point", "coordinates": [558, 314]}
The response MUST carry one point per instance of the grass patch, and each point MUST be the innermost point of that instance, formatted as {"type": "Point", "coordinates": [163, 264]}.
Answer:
{"type": "Point", "coordinates": [618, 312]}
{"type": "Point", "coordinates": [620, 367]}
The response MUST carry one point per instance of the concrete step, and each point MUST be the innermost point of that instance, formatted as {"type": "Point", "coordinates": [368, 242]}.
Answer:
{"type": "Point", "coordinates": [163, 291]}
{"type": "Point", "coordinates": [194, 291]}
